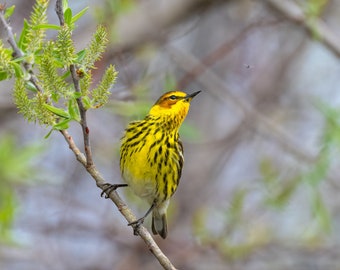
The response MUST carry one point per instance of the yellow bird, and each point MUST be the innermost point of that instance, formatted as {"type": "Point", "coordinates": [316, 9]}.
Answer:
{"type": "Point", "coordinates": [151, 156]}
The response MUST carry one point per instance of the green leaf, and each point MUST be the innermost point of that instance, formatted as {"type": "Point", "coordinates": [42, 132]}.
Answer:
{"type": "Point", "coordinates": [4, 75]}
{"type": "Point", "coordinates": [30, 86]}
{"type": "Point", "coordinates": [79, 15]}
{"type": "Point", "coordinates": [62, 125]}
{"type": "Point", "coordinates": [47, 26]}
{"type": "Point", "coordinates": [9, 11]}
{"type": "Point", "coordinates": [73, 109]}
{"type": "Point", "coordinates": [23, 36]}
{"type": "Point", "coordinates": [17, 70]}
{"type": "Point", "coordinates": [68, 17]}
{"type": "Point", "coordinates": [19, 59]}
{"type": "Point", "coordinates": [81, 55]}
{"type": "Point", "coordinates": [76, 95]}
{"type": "Point", "coordinates": [87, 102]}
{"type": "Point", "coordinates": [48, 134]}
{"type": "Point", "coordinates": [66, 75]}
{"type": "Point", "coordinates": [57, 111]}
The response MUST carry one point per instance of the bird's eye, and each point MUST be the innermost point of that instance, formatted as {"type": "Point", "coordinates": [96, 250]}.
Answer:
{"type": "Point", "coordinates": [173, 97]}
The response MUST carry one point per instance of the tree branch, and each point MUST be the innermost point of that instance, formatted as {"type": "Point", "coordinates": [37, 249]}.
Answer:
{"type": "Point", "coordinates": [18, 53]}
{"type": "Point", "coordinates": [86, 160]}
{"type": "Point", "coordinates": [82, 110]}
{"type": "Point", "coordinates": [294, 13]}
{"type": "Point", "coordinates": [122, 207]}
{"type": "Point", "coordinates": [141, 25]}
{"type": "Point", "coordinates": [217, 88]}
{"type": "Point", "coordinates": [259, 122]}
{"type": "Point", "coordinates": [220, 51]}
{"type": "Point", "coordinates": [89, 165]}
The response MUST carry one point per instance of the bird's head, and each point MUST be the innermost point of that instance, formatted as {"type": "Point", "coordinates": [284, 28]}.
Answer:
{"type": "Point", "coordinates": [173, 103]}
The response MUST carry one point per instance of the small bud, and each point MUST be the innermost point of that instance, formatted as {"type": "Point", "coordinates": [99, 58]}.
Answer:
{"type": "Point", "coordinates": [80, 72]}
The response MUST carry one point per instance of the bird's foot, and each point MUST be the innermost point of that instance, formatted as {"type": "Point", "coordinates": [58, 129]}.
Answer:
{"type": "Point", "coordinates": [136, 224]}
{"type": "Point", "coordinates": [108, 188]}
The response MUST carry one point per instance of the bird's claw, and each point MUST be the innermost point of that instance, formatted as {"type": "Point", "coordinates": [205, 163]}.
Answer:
{"type": "Point", "coordinates": [136, 224]}
{"type": "Point", "coordinates": [108, 188]}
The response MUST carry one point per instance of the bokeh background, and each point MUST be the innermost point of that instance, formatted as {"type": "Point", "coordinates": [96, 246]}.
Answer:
{"type": "Point", "coordinates": [260, 187]}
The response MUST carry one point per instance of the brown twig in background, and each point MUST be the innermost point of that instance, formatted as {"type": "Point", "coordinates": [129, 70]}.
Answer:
{"type": "Point", "coordinates": [217, 88]}
{"type": "Point", "coordinates": [221, 51]}
{"type": "Point", "coordinates": [264, 125]}
{"type": "Point", "coordinates": [323, 33]}
{"type": "Point", "coordinates": [142, 26]}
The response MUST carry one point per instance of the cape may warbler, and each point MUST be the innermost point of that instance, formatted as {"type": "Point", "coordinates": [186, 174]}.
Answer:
{"type": "Point", "coordinates": [151, 156]}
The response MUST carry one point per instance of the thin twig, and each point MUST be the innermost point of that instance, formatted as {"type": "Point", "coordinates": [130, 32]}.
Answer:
{"type": "Point", "coordinates": [10, 36]}
{"type": "Point", "coordinates": [122, 207]}
{"type": "Point", "coordinates": [259, 122]}
{"type": "Point", "coordinates": [142, 26]}
{"type": "Point", "coordinates": [83, 119]}
{"type": "Point", "coordinates": [17, 52]}
{"type": "Point", "coordinates": [82, 110]}
{"type": "Point", "coordinates": [217, 87]}
{"type": "Point", "coordinates": [315, 27]}
{"type": "Point", "coordinates": [221, 51]}
{"type": "Point", "coordinates": [87, 161]}
{"type": "Point", "coordinates": [59, 10]}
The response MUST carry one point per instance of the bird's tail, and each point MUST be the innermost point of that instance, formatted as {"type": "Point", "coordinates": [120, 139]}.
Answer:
{"type": "Point", "coordinates": [159, 225]}
{"type": "Point", "coordinates": [159, 222]}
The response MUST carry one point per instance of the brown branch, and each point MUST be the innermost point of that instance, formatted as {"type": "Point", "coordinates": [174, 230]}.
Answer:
{"type": "Point", "coordinates": [258, 122]}
{"type": "Point", "coordinates": [122, 207]}
{"type": "Point", "coordinates": [221, 51]}
{"type": "Point", "coordinates": [141, 26]}
{"type": "Point", "coordinates": [217, 88]}
{"type": "Point", "coordinates": [82, 110]}
{"type": "Point", "coordinates": [315, 26]}
{"type": "Point", "coordinates": [83, 119]}
{"type": "Point", "coordinates": [87, 161]}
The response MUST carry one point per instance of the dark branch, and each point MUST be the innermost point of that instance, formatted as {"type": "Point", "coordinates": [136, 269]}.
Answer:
{"type": "Point", "coordinates": [59, 11]}
{"type": "Point", "coordinates": [82, 110]}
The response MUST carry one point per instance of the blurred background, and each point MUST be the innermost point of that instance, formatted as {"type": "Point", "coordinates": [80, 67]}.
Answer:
{"type": "Point", "coordinates": [260, 186]}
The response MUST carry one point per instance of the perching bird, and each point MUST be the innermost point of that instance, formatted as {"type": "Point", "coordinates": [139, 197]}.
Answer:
{"type": "Point", "coordinates": [151, 156]}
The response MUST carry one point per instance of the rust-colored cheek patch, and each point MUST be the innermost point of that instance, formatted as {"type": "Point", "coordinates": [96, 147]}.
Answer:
{"type": "Point", "coordinates": [166, 104]}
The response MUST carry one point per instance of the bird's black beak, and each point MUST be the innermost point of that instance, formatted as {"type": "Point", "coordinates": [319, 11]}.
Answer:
{"type": "Point", "coordinates": [191, 96]}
